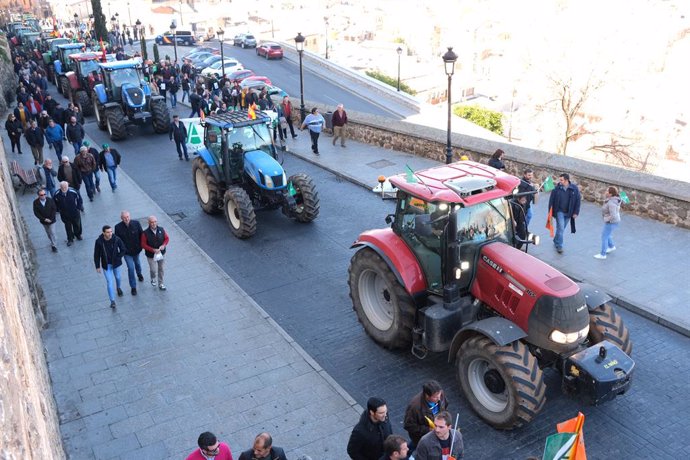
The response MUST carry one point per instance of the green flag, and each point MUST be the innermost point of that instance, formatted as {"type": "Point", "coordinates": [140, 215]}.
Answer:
{"type": "Point", "coordinates": [291, 189]}
{"type": "Point", "coordinates": [559, 446]}
{"type": "Point", "coordinates": [548, 184]}
{"type": "Point", "coordinates": [624, 197]}
{"type": "Point", "coordinates": [410, 175]}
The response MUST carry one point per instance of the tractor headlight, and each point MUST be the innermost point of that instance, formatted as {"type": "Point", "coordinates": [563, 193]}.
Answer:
{"type": "Point", "coordinates": [268, 180]}
{"type": "Point", "coordinates": [569, 337]}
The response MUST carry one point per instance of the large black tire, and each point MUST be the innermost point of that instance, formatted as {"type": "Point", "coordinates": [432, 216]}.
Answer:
{"type": "Point", "coordinates": [99, 111]}
{"type": "Point", "coordinates": [160, 116]}
{"type": "Point", "coordinates": [65, 88]}
{"type": "Point", "coordinates": [504, 385]}
{"type": "Point", "coordinates": [382, 305]}
{"type": "Point", "coordinates": [56, 81]}
{"type": "Point", "coordinates": [307, 198]}
{"type": "Point", "coordinates": [606, 324]}
{"type": "Point", "coordinates": [115, 121]}
{"type": "Point", "coordinates": [208, 192]}
{"type": "Point", "coordinates": [239, 212]}
{"type": "Point", "coordinates": [84, 103]}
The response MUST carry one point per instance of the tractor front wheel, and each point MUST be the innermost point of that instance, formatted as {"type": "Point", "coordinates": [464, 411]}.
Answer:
{"type": "Point", "coordinates": [383, 306]}
{"type": "Point", "coordinates": [306, 198]}
{"type": "Point", "coordinates": [207, 191]}
{"type": "Point", "coordinates": [504, 385]}
{"type": "Point", "coordinates": [65, 88]}
{"type": "Point", "coordinates": [239, 212]}
{"type": "Point", "coordinates": [160, 115]}
{"type": "Point", "coordinates": [84, 103]}
{"type": "Point", "coordinates": [606, 324]}
{"type": "Point", "coordinates": [115, 121]}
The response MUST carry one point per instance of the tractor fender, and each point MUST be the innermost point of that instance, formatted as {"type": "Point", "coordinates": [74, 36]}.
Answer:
{"type": "Point", "coordinates": [500, 330]}
{"type": "Point", "coordinates": [146, 88]}
{"type": "Point", "coordinates": [594, 296]}
{"type": "Point", "coordinates": [211, 162]}
{"type": "Point", "coordinates": [155, 97]}
{"type": "Point", "coordinates": [72, 79]}
{"type": "Point", "coordinates": [99, 89]}
{"type": "Point", "coordinates": [258, 163]}
{"type": "Point", "coordinates": [110, 105]}
{"type": "Point", "coordinates": [398, 256]}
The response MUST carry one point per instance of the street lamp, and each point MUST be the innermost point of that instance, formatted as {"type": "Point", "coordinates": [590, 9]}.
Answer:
{"type": "Point", "coordinates": [181, 21]}
{"type": "Point", "coordinates": [299, 44]}
{"type": "Point", "coordinates": [129, 13]}
{"type": "Point", "coordinates": [399, 50]}
{"type": "Point", "coordinates": [137, 28]}
{"type": "Point", "coordinates": [325, 18]}
{"type": "Point", "coordinates": [76, 21]}
{"type": "Point", "coordinates": [173, 26]}
{"type": "Point", "coordinates": [449, 61]}
{"type": "Point", "coordinates": [221, 34]}
{"type": "Point", "coordinates": [112, 22]}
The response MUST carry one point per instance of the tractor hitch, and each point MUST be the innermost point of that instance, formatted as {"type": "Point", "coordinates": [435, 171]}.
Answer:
{"type": "Point", "coordinates": [598, 374]}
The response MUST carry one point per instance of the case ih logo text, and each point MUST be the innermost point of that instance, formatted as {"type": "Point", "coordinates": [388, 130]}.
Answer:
{"type": "Point", "coordinates": [493, 264]}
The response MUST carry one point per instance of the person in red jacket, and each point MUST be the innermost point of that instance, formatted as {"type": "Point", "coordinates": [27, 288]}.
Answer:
{"type": "Point", "coordinates": [210, 447]}
{"type": "Point", "coordinates": [154, 241]}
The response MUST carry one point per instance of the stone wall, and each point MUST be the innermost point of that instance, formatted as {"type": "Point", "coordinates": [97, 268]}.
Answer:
{"type": "Point", "coordinates": [650, 196]}
{"type": "Point", "coordinates": [29, 425]}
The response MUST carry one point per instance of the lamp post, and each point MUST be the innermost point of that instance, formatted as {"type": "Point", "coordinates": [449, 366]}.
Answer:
{"type": "Point", "coordinates": [449, 62]}
{"type": "Point", "coordinates": [399, 50]}
{"type": "Point", "coordinates": [173, 28]}
{"type": "Point", "coordinates": [129, 13]}
{"type": "Point", "coordinates": [181, 21]}
{"type": "Point", "coordinates": [221, 34]}
{"type": "Point", "coordinates": [112, 23]}
{"type": "Point", "coordinates": [299, 44]}
{"type": "Point", "coordinates": [137, 27]}
{"type": "Point", "coordinates": [325, 18]}
{"type": "Point", "coordinates": [76, 21]}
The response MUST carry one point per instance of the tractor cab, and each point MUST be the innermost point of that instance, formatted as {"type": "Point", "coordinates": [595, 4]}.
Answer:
{"type": "Point", "coordinates": [122, 81]}
{"type": "Point", "coordinates": [86, 69]}
{"type": "Point", "coordinates": [50, 46]}
{"type": "Point", "coordinates": [63, 63]}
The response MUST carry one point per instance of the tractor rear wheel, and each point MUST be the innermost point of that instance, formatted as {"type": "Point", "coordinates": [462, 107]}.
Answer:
{"type": "Point", "coordinates": [84, 103]}
{"type": "Point", "coordinates": [504, 385]}
{"type": "Point", "coordinates": [99, 112]}
{"type": "Point", "coordinates": [307, 198]}
{"type": "Point", "coordinates": [65, 88]}
{"type": "Point", "coordinates": [207, 191]}
{"type": "Point", "coordinates": [115, 121]}
{"type": "Point", "coordinates": [606, 324]}
{"type": "Point", "coordinates": [160, 116]}
{"type": "Point", "coordinates": [56, 80]}
{"type": "Point", "coordinates": [383, 306]}
{"type": "Point", "coordinates": [239, 212]}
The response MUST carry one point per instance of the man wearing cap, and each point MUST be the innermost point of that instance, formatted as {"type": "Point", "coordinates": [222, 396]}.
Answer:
{"type": "Point", "coordinates": [96, 172]}
{"type": "Point", "coordinates": [108, 161]}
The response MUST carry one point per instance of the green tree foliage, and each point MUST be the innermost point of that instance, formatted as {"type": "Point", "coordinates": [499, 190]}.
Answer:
{"type": "Point", "coordinates": [390, 81]}
{"type": "Point", "coordinates": [493, 121]}
{"type": "Point", "coordinates": [156, 56]}
{"type": "Point", "coordinates": [144, 52]}
{"type": "Point", "coordinates": [99, 21]}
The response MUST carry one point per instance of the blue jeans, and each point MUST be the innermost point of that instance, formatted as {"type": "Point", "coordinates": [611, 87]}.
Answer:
{"type": "Point", "coordinates": [97, 176]}
{"type": "Point", "coordinates": [185, 94]}
{"type": "Point", "coordinates": [561, 221]}
{"type": "Point", "coordinates": [606, 238]}
{"type": "Point", "coordinates": [528, 217]}
{"type": "Point", "coordinates": [112, 279]}
{"type": "Point", "coordinates": [173, 99]}
{"type": "Point", "coordinates": [112, 176]}
{"type": "Point", "coordinates": [182, 148]}
{"type": "Point", "coordinates": [133, 269]}
{"type": "Point", "coordinates": [77, 146]}
{"type": "Point", "coordinates": [88, 183]}
{"type": "Point", "coordinates": [57, 145]}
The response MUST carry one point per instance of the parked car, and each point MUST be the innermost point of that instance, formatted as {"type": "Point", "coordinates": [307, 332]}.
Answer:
{"type": "Point", "coordinates": [258, 85]}
{"type": "Point", "coordinates": [244, 40]}
{"type": "Point", "coordinates": [200, 49]}
{"type": "Point", "coordinates": [199, 58]}
{"type": "Point", "coordinates": [212, 59]}
{"type": "Point", "coordinates": [259, 78]}
{"type": "Point", "coordinates": [182, 37]}
{"type": "Point", "coordinates": [239, 75]}
{"type": "Point", "coordinates": [230, 65]}
{"type": "Point", "coordinates": [270, 51]}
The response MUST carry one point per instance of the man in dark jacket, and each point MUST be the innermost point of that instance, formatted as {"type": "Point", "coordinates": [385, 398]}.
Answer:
{"type": "Point", "coordinates": [107, 255]}
{"type": "Point", "coordinates": [75, 133]}
{"type": "Point", "coordinates": [45, 211]}
{"type": "Point", "coordinates": [444, 441]}
{"type": "Point", "coordinates": [178, 133]}
{"type": "Point", "coordinates": [130, 231]}
{"type": "Point", "coordinates": [263, 449]}
{"type": "Point", "coordinates": [69, 204]}
{"type": "Point", "coordinates": [108, 161]}
{"type": "Point", "coordinates": [366, 440]}
{"type": "Point", "coordinates": [422, 408]}
{"type": "Point", "coordinates": [564, 205]}
{"type": "Point", "coordinates": [70, 173]}
{"type": "Point", "coordinates": [96, 158]}
{"type": "Point", "coordinates": [85, 164]}
{"type": "Point", "coordinates": [34, 137]}
{"type": "Point", "coordinates": [526, 186]}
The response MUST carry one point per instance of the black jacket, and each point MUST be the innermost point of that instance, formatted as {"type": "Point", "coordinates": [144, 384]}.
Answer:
{"type": "Point", "coordinates": [179, 133]}
{"type": "Point", "coordinates": [101, 159]}
{"type": "Point", "coordinates": [69, 204]}
{"type": "Point", "coordinates": [415, 424]}
{"type": "Point", "coordinates": [276, 454]}
{"type": "Point", "coordinates": [74, 132]}
{"type": "Point", "coordinates": [45, 211]}
{"type": "Point", "coordinates": [130, 235]}
{"type": "Point", "coordinates": [496, 163]}
{"type": "Point", "coordinates": [76, 176]}
{"type": "Point", "coordinates": [14, 128]}
{"type": "Point", "coordinates": [154, 240]}
{"type": "Point", "coordinates": [34, 137]}
{"type": "Point", "coordinates": [108, 252]}
{"type": "Point", "coordinates": [366, 440]}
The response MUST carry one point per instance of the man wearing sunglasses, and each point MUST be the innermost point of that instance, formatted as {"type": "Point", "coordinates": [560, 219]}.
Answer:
{"type": "Point", "coordinates": [210, 449]}
{"type": "Point", "coordinates": [263, 449]}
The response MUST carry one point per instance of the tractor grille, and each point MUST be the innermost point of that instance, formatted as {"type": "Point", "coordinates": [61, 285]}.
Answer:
{"type": "Point", "coordinates": [277, 180]}
{"type": "Point", "coordinates": [136, 95]}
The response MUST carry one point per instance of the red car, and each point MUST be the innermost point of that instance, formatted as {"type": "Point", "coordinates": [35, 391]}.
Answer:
{"type": "Point", "coordinates": [239, 75]}
{"type": "Point", "coordinates": [259, 78]}
{"type": "Point", "coordinates": [270, 51]}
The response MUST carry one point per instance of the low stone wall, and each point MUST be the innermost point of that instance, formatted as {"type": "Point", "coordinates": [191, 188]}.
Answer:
{"type": "Point", "coordinates": [29, 425]}
{"type": "Point", "coordinates": [650, 196]}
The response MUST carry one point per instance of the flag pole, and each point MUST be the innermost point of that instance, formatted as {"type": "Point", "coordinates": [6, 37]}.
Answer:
{"type": "Point", "coordinates": [457, 419]}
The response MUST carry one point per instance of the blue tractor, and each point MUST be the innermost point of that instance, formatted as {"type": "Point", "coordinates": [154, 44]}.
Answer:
{"type": "Point", "coordinates": [124, 98]}
{"type": "Point", "coordinates": [237, 172]}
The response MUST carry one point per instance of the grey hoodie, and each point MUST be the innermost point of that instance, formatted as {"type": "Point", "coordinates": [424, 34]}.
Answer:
{"type": "Point", "coordinates": [611, 210]}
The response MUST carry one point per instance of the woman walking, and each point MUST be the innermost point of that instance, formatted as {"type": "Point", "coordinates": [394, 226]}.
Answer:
{"type": "Point", "coordinates": [611, 210]}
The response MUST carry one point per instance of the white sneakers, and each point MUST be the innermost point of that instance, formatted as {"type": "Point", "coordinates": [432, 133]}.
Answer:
{"type": "Point", "coordinates": [599, 256]}
{"type": "Point", "coordinates": [610, 249]}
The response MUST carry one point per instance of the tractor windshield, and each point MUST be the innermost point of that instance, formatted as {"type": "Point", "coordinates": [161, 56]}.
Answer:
{"type": "Point", "coordinates": [485, 221]}
{"type": "Point", "coordinates": [88, 66]}
{"type": "Point", "coordinates": [119, 77]}
{"type": "Point", "coordinates": [254, 137]}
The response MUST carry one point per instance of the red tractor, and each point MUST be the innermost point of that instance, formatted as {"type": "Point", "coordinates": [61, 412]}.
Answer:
{"type": "Point", "coordinates": [77, 84]}
{"type": "Point", "coordinates": [447, 277]}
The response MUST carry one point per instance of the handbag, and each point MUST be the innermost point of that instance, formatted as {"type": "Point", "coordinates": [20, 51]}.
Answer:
{"type": "Point", "coordinates": [157, 257]}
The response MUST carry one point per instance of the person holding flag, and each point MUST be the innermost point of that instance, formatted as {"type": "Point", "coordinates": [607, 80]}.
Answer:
{"type": "Point", "coordinates": [564, 205]}
{"type": "Point", "coordinates": [445, 441]}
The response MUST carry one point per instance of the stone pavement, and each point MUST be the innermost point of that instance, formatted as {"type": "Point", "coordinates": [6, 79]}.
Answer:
{"type": "Point", "coordinates": [649, 273]}
{"type": "Point", "coordinates": [144, 380]}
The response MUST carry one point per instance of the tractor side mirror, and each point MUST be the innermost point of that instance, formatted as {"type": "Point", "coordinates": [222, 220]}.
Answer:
{"type": "Point", "coordinates": [389, 218]}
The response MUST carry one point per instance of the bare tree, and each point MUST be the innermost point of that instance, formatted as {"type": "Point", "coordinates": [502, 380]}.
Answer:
{"type": "Point", "coordinates": [628, 152]}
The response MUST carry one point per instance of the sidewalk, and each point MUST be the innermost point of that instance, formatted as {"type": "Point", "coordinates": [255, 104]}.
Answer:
{"type": "Point", "coordinates": [648, 274]}
{"type": "Point", "coordinates": [142, 381]}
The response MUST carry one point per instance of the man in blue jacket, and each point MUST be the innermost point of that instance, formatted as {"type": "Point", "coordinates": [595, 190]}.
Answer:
{"type": "Point", "coordinates": [564, 205]}
{"type": "Point", "coordinates": [54, 135]}
{"type": "Point", "coordinates": [107, 255]}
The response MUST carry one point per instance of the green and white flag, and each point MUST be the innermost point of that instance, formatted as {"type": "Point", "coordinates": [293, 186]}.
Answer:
{"type": "Point", "coordinates": [559, 446]}
{"type": "Point", "coordinates": [548, 184]}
